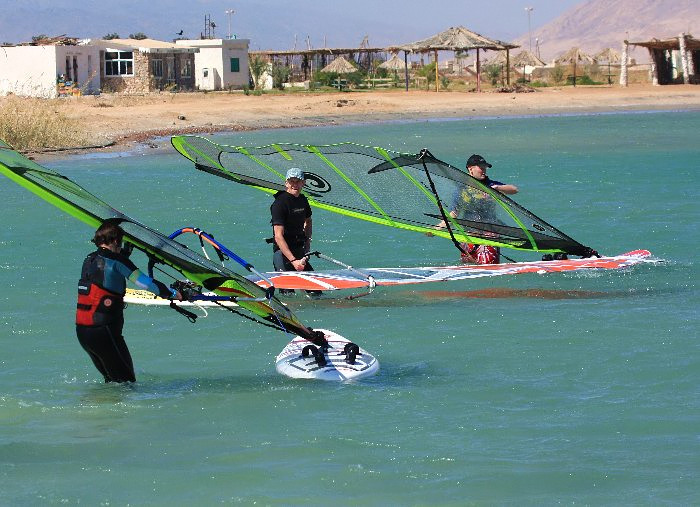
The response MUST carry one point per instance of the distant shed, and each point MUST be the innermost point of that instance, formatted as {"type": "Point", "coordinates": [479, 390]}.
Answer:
{"type": "Point", "coordinates": [673, 61]}
{"type": "Point", "coordinates": [304, 62]}
{"type": "Point", "coordinates": [49, 70]}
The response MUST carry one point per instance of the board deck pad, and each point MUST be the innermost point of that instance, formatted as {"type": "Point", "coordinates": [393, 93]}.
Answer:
{"type": "Point", "coordinates": [291, 363]}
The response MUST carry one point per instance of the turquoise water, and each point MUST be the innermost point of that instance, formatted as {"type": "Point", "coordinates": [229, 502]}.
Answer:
{"type": "Point", "coordinates": [569, 388]}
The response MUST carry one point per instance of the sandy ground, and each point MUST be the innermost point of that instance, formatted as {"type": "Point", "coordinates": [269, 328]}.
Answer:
{"type": "Point", "coordinates": [124, 120]}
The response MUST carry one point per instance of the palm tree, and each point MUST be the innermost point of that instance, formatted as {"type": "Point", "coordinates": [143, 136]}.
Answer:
{"type": "Point", "coordinates": [257, 69]}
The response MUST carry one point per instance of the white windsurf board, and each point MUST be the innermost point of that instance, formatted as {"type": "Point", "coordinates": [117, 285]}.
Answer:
{"type": "Point", "coordinates": [292, 363]}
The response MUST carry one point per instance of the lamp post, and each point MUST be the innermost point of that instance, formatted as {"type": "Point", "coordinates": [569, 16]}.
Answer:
{"type": "Point", "coordinates": [228, 13]}
{"type": "Point", "coordinates": [529, 30]}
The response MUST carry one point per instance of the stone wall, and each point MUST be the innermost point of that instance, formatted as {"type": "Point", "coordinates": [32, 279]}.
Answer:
{"type": "Point", "coordinates": [136, 84]}
{"type": "Point", "coordinates": [143, 80]}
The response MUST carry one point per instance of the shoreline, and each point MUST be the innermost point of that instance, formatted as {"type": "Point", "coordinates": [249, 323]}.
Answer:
{"type": "Point", "coordinates": [124, 123]}
{"type": "Point", "coordinates": [154, 141]}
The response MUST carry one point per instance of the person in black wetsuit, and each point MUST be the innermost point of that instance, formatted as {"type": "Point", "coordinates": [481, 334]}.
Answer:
{"type": "Point", "coordinates": [291, 226]}
{"type": "Point", "coordinates": [100, 314]}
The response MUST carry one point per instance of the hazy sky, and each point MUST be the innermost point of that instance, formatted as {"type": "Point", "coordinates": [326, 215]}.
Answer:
{"type": "Point", "coordinates": [273, 24]}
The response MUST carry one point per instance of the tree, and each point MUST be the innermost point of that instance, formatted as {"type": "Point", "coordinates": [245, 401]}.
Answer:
{"type": "Point", "coordinates": [493, 72]}
{"type": "Point", "coordinates": [138, 36]}
{"type": "Point", "coordinates": [257, 69]}
{"type": "Point", "coordinates": [428, 71]}
{"type": "Point", "coordinates": [110, 36]}
{"type": "Point", "coordinates": [460, 56]}
{"type": "Point", "coordinates": [37, 38]}
{"type": "Point", "coordinates": [557, 74]}
{"type": "Point", "coordinates": [280, 75]}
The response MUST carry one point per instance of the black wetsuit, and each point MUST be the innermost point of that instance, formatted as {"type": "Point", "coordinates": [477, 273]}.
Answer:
{"type": "Point", "coordinates": [100, 313]}
{"type": "Point", "coordinates": [290, 212]}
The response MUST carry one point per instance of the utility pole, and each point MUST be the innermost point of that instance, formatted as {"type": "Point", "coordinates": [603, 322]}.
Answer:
{"type": "Point", "coordinates": [229, 12]}
{"type": "Point", "coordinates": [529, 28]}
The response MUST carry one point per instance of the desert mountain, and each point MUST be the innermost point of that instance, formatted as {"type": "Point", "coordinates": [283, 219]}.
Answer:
{"type": "Point", "coordinates": [598, 24]}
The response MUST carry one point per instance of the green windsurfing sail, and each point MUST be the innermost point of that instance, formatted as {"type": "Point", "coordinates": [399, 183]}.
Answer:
{"type": "Point", "coordinates": [78, 202]}
{"type": "Point", "coordinates": [406, 191]}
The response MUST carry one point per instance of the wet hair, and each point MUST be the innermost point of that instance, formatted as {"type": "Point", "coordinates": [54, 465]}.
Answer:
{"type": "Point", "coordinates": [108, 232]}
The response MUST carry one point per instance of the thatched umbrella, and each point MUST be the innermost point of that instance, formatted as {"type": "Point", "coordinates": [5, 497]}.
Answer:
{"type": "Point", "coordinates": [500, 59]}
{"type": "Point", "coordinates": [609, 56]}
{"type": "Point", "coordinates": [454, 39]}
{"type": "Point", "coordinates": [395, 64]}
{"type": "Point", "coordinates": [527, 58]}
{"type": "Point", "coordinates": [339, 66]}
{"type": "Point", "coordinates": [575, 55]}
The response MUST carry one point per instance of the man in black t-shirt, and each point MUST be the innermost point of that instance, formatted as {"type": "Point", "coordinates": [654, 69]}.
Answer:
{"type": "Point", "coordinates": [291, 225]}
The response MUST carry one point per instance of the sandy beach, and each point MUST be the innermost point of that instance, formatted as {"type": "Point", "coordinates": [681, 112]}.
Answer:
{"type": "Point", "coordinates": [123, 120]}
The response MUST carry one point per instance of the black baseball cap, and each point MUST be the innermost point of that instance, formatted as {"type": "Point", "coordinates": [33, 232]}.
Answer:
{"type": "Point", "coordinates": [478, 160]}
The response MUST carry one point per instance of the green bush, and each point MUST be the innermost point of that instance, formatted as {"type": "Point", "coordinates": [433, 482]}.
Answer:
{"type": "Point", "coordinates": [332, 78]}
{"type": "Point", "coordinates": [557, 74]}
{"type": "Point", "coordinates": [428, 71]}
{"type": "Point", "coordinates": [444, 82]}
{"type": "Point", "coordinates": [280, 75]}
{"type": "Point", "coordinates": [582, 80]}
{"type": "Point", "coordinates": [493, 72]}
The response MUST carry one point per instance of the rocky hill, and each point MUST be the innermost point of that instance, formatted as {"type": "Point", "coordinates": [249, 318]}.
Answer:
{"type": "Point", "coordinates": [598, 24]}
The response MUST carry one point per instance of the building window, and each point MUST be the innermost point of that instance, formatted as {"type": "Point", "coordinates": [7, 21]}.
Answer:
{"type": "Point", "coordinates": [235, 65]}
{"type": "Point", "coordinates": [171, 69]}
{"type": "Point", "coordinates": [157, 68]}
{"type": "Point", "coordinates": [119, 63]}
{"type": "Point", "coordinates": [187, 68]}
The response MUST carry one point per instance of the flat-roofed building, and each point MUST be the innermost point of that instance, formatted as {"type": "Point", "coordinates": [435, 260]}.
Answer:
{"type": "Point", "coordinates": [220, 64]}
{"type": "Point", "coordinates": [49, 70]}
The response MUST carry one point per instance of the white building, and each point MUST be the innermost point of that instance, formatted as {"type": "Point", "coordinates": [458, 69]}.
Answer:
{"type": "Point", "coordinates": [221, 63]}
{"type": "Point", "coordinates": [43, 71]}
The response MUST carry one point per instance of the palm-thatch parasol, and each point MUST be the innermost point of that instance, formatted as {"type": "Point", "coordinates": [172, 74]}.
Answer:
{"type": "Point", "coordinates": [499, 59]}
{"type": "Point", "coordinates": [339, 66]}
{"type": "Point", "coordinates": [527, 58]}
{"type": "Point", "coordinates": [575, 55]}
{"type": "Point", "coordinates": [454, 39]}
{"type": "Point", "coordinates": [393, 63]}
{"type": "Point", "coordinates": [609, 56]}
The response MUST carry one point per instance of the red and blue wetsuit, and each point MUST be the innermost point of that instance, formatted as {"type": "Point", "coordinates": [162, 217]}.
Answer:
{"type": "Point", "coordinates": [100, 314]}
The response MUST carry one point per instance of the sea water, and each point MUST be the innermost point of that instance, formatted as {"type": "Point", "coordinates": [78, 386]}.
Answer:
{"type": "Point", "coordinates": [527, 390]}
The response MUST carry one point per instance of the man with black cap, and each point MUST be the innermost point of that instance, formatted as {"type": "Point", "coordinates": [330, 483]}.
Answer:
{"type": "Point", "coordinates": [477, 166]}
{"type": "Point", "coordinates": [291, 225]}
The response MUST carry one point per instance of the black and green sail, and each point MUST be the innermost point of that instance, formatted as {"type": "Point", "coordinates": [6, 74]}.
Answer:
{"type": "Point", "coordinates": [78, 202]}
{"type": "Point", "coordinates": [399, 190]}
